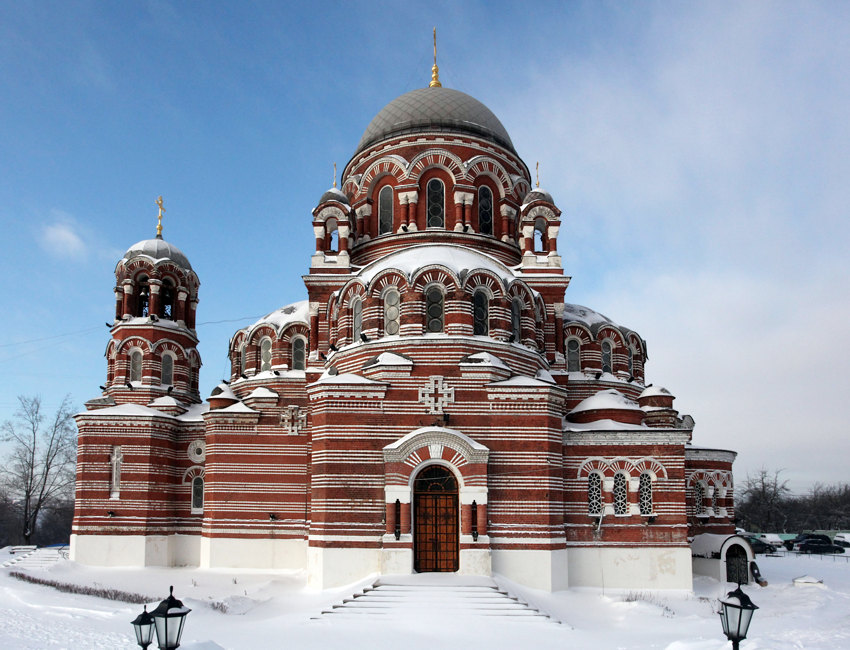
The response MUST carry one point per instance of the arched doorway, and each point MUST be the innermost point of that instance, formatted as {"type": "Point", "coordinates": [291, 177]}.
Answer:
{"type": "Point", "coordinates": [736, 565]}
{"type": "Point", "coordinates": [435, 523]}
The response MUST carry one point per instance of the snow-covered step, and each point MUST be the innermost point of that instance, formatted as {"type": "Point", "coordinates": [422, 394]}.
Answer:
{"type": "Point", "coordinates": [38, 559]}
{"type": "Point", "coordinates": [444, 596]}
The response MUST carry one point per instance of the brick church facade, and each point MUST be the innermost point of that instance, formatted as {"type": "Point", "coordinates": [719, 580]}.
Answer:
{"type": "Point", "coordinates": [434, 404]}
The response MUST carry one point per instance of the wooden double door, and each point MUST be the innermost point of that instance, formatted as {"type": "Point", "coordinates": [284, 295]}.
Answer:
{"type": "Point", "coordinates": [435, 520]}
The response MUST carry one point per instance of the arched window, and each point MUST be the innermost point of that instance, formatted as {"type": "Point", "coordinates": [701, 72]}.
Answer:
{"type": "Point", "coordinates": [434, 310]}
{"type": "Point", "coordinates": [356, 319]}
{"type": "Point", "coordinates": [298, 353]}
{"type": "Point", "coordinates": [136, 365]}
{"type": "Point", "coordinates": [197, 495]}
{"type": "Point", "coordinates": [516, 319]}
{"type": "Point", "coordinates": [385, 210]}
{"type": "Point", "coordinates": [606, 356]}
{"type": "Point", "coordinates": [699, 499]}
{"type": "Point", "coordinates": [714, 500]}
{"type": "Point", "coordinates": [243, 358]}
{"type": "Point", "coordinates": [115, 460]}
{"type": "Point", "coordinates": [391, 312]}
{"type": "Point", "coordinates": [573, 355]}
{"type": "Point", "coordinates": [167, 374]}
{"type": "Point", "coordinates": [540, 236]}
{"type": "Point", "coordinates": [480, 313]}
{"type": "Point", "coordinates": [621, 495]}
{"type": "Point", "coordinates": [436, 204]}
{"type": "Point", "coordinates": [166, 300]}
{"type": "Point", "coordinates": [594, 494]}
{"type": "Point", "coordinates": [265, 354]}
{"type": "Point", "coordinates": [645, 494]}
{"type": "Point", "coordinates": [143, 299]}
{"type": "Point", "coordinates": [485, 211]}
{"type": "Point", "coordinates": [631, 362]}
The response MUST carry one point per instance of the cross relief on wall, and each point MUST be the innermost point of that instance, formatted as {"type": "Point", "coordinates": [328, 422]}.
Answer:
{"type": "Point", "coordinates": [293, 420]}
{"type": "Point", "coordinates": [435, 395]}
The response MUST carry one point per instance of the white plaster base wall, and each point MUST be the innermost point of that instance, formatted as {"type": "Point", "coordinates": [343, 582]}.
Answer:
{"type": "Point", "coordinates": [631, 568]}
{"type": "Point", "coordinates": [704, 566]}
{"type": "Point", "coordinates": [227, 553]}
{"type": "Point", "coordinates": [135, 550]}
{"type": "Point", "coordinates": [336, 567]}
{"type": "Point", "coordinates": [398, 561]}
{"type": "Point", "coordinates": [547, 570]}
{"type": "Point", "coordinates": [475, 562]}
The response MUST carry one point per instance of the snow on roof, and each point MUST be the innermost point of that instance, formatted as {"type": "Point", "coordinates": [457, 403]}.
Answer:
{"type": "Point", "coordinates": [485, 359]}
{"type": "Point", "coordinates": [344, 378]}
{"type": "Point", "coordinates": [606, 399]}
{"type": "Point", "coordinates": [165, 400]}
{"type": "Point", "coordinates": [223, 391]}
{"type": "Point", "coordinates": [520, 380]}
{"type": "Point", "coordinates": [585, 315]}
{"type": "Point", "coordinates": [656, 391]}
{"type": "Point", "coordinates": [297, 312]}
{"type": "Point", "coordinates": [709, 544]}
{"type": "Point", "coordinates": [263, 392]}
{"type": "Point", "coordinates": [603, 425]}
{"type": "Point", "coordinates": [239, 407]}
{"type": "Point", "coordinates": [130, 409]}
{"type": "Point", "coordinates": [545, 375]}
{"type": "Point", "coordinates": [194, 413]}
{"type": "Point", "coordinates": [455, 258]}
{"type": "Point", "coordinates": [390, 359]}
{"type": "Point", "coordinates": [475, 445]}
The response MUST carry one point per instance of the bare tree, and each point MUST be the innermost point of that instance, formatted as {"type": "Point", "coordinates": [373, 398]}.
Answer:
{"type": "Point", "coordinates": [39, 472]}
{"type": "Point", "coordinates": [762, 505]}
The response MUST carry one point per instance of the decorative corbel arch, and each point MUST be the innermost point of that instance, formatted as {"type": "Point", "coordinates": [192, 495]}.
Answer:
{"type": "Point", "coordinates": [385, 279]}
{"type": "Point", "coordinates": [390, 165]}
{"type": "Point", "coordinates": [435, 273]}
{"type": "Point", "coordinates": [436, 158]}
{"type": "Point", "coordinates": [487, 279]}
{"type": "Point", "coordinates": [486, 166]}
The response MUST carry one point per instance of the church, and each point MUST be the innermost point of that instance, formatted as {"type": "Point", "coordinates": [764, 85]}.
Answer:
{"type": "Point", "coordinates": [433, 404]}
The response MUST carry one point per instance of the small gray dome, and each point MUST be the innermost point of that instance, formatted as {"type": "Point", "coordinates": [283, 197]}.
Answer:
{"type": "Point", "coordinates": [158, 249]}
{"type": "Point", "coordinates": [435, 109]}
{"type": "Point", "coordinates": [538, 194]}
{"type": "Point", "coordinates": [334, 194]}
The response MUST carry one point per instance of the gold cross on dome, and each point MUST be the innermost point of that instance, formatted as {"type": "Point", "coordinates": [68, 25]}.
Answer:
{"type": "Point", "coordinates": [159, 217]}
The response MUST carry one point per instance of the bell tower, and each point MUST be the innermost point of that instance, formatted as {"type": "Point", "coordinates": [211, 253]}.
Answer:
{"type": "Point", "coordinates": [152, 353]}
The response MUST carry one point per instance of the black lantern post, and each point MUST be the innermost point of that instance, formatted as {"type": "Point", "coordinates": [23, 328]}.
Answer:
{"type": "Point", "coordinates": [143, 626]}
{"type": "Point", "coordinates": [736, 612]}
{"type": "Point", "coordinates": [169, 617]}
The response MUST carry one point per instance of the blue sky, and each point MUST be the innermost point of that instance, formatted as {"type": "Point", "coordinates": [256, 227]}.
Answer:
{"type": "Point", "coordinates": [699, 152]}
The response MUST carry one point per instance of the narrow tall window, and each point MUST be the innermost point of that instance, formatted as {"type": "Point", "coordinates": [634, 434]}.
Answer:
{"type": "Point", "coordinates": [166, 300]}
{"type": "Point", "coordinates": [434, 310]}
{"type": "Point", "coordinates": [167, 377]}
{"type": "Point", "coordinates": [115, 460]}
{"type": "Point", "coordinates": [197, 494]}
{"type": "Point", "coordinates": [485, 211]}
{"type": "Point", "coordinates": [645, 494]}
{"type": "Point", "coordinates": [298, 353]}
{"type": "Point", "coordinates": [136, 365]}
{"type": "Point", "coordinates": [480, 308]}
{"type": "Point", "coordinates": [385, 210]}
{"type": "Point", "coordinates": [436, 204]}
{"type": "Point", "coordinates": [594, 494]}
{"type": "Point", "coordinates": [606, 356]}
{"type": "Point", "coordinates": [143, 299]}
{"type": "Point", "coordinates": [631, 362]}
{"type": "Point", "coordinates": [699, 499]}
{"type": "Point", "coordinates": [356, 319]}
{"type": "Point", "coordinates": [391, 312]}
{"type": "Point", "coordinates": [573, 356]}
{"type": "Point", "coordinates": [265, 354]}
{"type": "Point", "coordinates": [714, 500]}
{"type": "Point", "coordinates": [621, 495]}
{"type": "Point", "coordinates": [243, 359]}
{"type": "Point", "coordinates": [516, 319]}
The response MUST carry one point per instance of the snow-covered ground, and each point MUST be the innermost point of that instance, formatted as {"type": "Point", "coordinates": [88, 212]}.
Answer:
{"type": "Point", "coordinates": [274, 610]}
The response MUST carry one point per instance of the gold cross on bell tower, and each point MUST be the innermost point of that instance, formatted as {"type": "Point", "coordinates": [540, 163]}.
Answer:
{"type": "Point", "coordinates": [159, 217]}
{"type": "Point", "coordinates": [435, 71]}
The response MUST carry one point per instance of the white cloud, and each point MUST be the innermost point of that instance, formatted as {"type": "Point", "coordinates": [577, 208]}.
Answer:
{"type": "Point", "coordinates": [61, 238]}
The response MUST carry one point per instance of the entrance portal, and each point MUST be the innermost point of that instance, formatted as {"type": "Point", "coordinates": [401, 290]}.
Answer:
{"type": "Point", "coordinates": [435, 523]}
{"type": "Point", "coordinates": [736, 565]}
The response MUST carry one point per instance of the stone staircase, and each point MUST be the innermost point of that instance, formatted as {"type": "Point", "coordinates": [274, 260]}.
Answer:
{"type": "Point", "coordinates": [442, 596]}
{"type": "Point", "coordinates": [37, 558]}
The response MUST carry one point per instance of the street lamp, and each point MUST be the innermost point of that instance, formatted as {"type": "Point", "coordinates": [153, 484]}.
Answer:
{"type": "Point", "coordinates": [143, 626]}
{"type": "Point", "coordinates": [169, 617]}
{"type": "Point", "coordinates": [736, 612]}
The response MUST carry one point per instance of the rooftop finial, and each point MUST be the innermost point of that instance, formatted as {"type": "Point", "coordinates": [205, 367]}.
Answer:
{"type": "Point", "coordinates": [538, 174]}
{"type": "Point", "coordinates": [334, 174]}
{"type": "Point", "coordinates": [159, 217]}
{"type": "Point", "coordinates": [435, 71]}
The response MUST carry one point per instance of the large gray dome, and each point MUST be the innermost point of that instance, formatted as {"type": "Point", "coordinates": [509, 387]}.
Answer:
{"type": "Point", "coordinates": [158, 249]}
{"type": "Point", "coordinates": [437, 109]}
